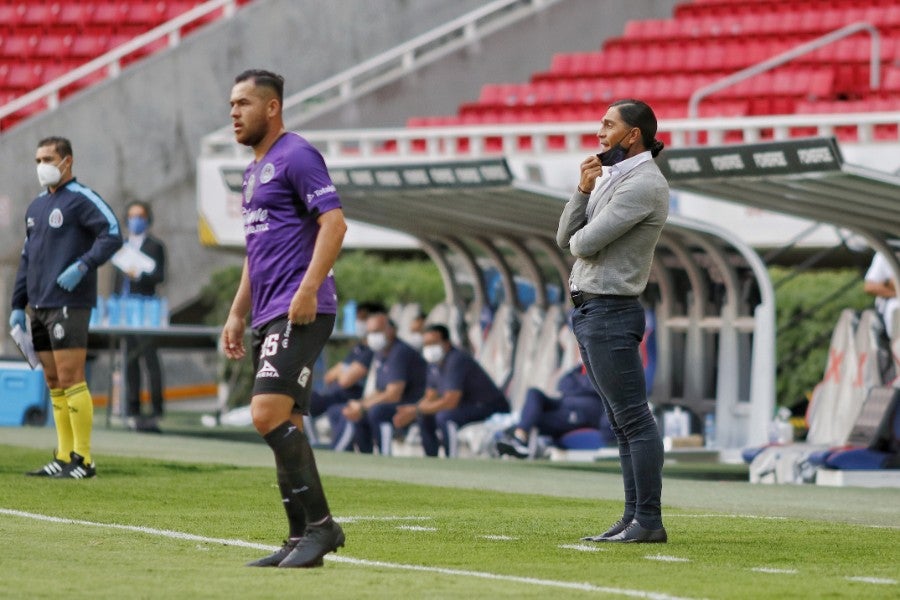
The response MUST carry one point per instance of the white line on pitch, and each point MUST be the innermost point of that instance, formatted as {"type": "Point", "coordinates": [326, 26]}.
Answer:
{"type": "Point", "coordinates": [499, 538]}
{"type": "Point", "coordinates": [872, 580]}
{"type": "Point", "coordinates": [664, 558]}
{"type": "Point", "coordinates": [416, 528]}
{"type": "Point", "coordinates": [775, 571]}
{"type": "Point", "coordinates": [711, 516]}
{"type": "Point", "coordinates": [357, 519]}
{"type": "Point", "coordinates": [551, 583]}
{"type": "Point", "coordinates": [580, 547]}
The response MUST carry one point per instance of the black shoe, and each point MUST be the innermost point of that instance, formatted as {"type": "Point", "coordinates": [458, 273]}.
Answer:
{"type": "Point", "coordinates": [635, 534]}
{"type": "Point", "coordinates": [51, 469]}
{"type": "Point", "coordinates": [513, 446]}
{"type": "Point", "coordinates": [318, 541]}
{"type": "Point", "coordinates": [276, 557]}
{"type": "Point", "coordinates": [77, 469]}
{"type": "Point", "coordinates": [614, 529]}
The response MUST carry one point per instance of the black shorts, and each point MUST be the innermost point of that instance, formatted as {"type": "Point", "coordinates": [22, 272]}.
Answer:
{"type": "Point", "coordinates": [59, 328]}
{"type": "Point", "coordinates": [284, 355]}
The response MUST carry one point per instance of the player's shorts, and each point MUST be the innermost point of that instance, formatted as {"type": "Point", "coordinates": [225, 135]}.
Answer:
{"type": "Point", "coordinates": [59, 328]}
{"type": "Point", "coordinates": [284, 354]}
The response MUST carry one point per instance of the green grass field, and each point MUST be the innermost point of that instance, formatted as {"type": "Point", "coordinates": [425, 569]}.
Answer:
{"type": "Point", "coordinates": [177, 517]}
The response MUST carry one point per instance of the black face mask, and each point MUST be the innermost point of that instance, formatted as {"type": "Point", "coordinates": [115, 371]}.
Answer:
{"type": "Point", "coordinates": [614, 155]}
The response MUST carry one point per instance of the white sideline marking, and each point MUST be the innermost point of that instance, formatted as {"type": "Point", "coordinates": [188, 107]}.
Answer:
{"type": "Point", "coordinates": [363, 518]}
{"type": "Point", "coordinates": [499, 538]}
{"type": "Point", "coordinates": [580, 547]}
{"type": "Point", "coordinates": [726, 516]}
{"type": "Point", "coordinates": [711, 516]}
{"type": "Point", "coordinates": [568, 585]}
{"type": "Point", "coordinates": [872, 580]}
{"type": "Point", "coordinates": [664, 558]}
{"type": "Point", "coordinates": [775, 571]}
{"type": "Point", "coordinates": [415, 528]}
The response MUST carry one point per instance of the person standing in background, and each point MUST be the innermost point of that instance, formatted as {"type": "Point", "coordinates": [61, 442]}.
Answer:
{"type": "Point", "coordinates": [139, 218]}
{"type": "Point", "coordinates": [612, 232]}
{"type": "Point", "coordinates": [69, 232]}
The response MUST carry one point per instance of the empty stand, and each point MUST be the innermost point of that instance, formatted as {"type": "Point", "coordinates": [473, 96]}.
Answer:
{"type": "Point", "coordinates": [663, 61]}
{"type": "Point", "coordinates": [40, 41]}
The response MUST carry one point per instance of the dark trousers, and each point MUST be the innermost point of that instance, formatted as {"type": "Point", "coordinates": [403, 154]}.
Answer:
{"type": "Point", "coordinates": [558, 416]}
{"type": "Point", "coordinates": [374, 430]}
{"type": "Point", "coordinates": [321, 401]}
{"type": "Point", "coordinates": [137, 350]}
{"type": "Point", "coordinates": [448, 423]}
{"type": "Point", "coordinates": [609, 333]}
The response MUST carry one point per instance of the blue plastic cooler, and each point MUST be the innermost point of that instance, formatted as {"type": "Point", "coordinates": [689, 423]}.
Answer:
{"type": "Point", "coordinates": [24, 398]}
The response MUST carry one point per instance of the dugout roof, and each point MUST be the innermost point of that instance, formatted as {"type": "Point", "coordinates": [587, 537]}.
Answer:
{"type": "Point", "coordinates": [806, 178]}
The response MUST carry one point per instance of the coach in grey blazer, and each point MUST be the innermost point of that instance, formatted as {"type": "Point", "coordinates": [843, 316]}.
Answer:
{"type": "Point", "coordinates": [612, 232]}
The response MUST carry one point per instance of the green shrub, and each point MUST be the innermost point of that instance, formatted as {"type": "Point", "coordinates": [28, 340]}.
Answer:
{"type": "Point", "coordinates": [807, 309]}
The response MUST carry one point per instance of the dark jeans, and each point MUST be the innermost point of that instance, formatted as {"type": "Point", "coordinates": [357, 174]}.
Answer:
{"type": "Point", "coordinates": [135, 350]}
{"type": "Point", "coordinates": [448, 423]}
{"type": "Point", "coordinates": [609, 332]}
{"type": "Point", "coordinates": [374, 430]}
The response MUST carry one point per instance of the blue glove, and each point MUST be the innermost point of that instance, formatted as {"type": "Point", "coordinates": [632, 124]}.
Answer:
{"type": "Point", "coordinates": [71, 277]}
{"type": "Point", "coordinates": [17, 317]}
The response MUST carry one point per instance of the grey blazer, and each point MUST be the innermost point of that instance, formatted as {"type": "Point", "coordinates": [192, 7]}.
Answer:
{"type": "Point", "coordinates": [613, 236]}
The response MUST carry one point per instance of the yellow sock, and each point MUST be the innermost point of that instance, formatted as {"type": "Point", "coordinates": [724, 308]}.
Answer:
{"type": "Point", "coordinates": [81, 413]}
{"type": "Point", "coordinates": [64, 443]}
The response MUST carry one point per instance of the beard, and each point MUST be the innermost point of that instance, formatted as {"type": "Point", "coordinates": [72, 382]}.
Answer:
{"type": "Point", "coordinates": [252, 137]}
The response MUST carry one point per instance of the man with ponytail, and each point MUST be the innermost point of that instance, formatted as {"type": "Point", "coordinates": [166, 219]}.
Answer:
{"type": "Point", "coordinates": [611, 225]}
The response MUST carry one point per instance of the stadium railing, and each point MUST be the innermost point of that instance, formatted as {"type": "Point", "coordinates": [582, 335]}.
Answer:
{"type": "Point", "coordinates": [111, 63]}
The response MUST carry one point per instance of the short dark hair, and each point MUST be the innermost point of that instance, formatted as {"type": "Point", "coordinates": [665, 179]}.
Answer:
{"type": "Point", "coordinates": [62, 145]}
{"type": "Point", "coordinates": [147, 210]}
{"type": "Point", "coordinates": [439, 329]}
{"type": "Point", "coordinates": [263, 78]}
{"type": "Point", "coordinates": [637, 113]}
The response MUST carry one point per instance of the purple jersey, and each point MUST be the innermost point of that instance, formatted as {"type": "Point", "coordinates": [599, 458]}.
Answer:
{"type": "Point", "coordinates": [284, 194]}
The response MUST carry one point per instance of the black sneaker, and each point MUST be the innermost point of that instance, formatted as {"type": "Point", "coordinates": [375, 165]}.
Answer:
{"type": "Point", "coordinates": [274, 559]}
{"type": "Point", "coordinates": [513, 446]}
{"type": "Point", "coordinates": [51, 469]}
{"type": "Point", "coordinates": [77, 469]}
{"type": "Point", "coordinates": [318, 541]}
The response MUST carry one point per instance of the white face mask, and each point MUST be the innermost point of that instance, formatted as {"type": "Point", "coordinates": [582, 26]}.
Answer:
{"type": "Point", "coordinates": [49, 175]}
{"type": "Point", "coordinates": [433, 353]}
{"type": "Point", "coordinates": [376, 340]}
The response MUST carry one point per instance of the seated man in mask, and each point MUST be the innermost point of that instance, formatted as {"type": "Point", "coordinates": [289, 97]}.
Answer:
{"type": "Point", "coordinates": [400, 374]}
{"type": "Point", "coordinates": [458, 392]}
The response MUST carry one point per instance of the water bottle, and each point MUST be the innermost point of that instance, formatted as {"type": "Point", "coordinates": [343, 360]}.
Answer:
{"type": "Point", "coordinates": [112, 311]}
{"type": "Point", "coordinates": [349, 317]}
{"type": "Point", "coordinates": [709, 430]}
{"type": "Point", "coordinates": [164, 311]}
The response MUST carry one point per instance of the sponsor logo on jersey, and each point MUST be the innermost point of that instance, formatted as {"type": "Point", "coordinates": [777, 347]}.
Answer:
{"type": "Point", "coordinates": [267, 370]}
{"type": "Point", "coordinates": [304, 376]}
{"type": "Point", "coordinates": [59, 332]}
{"type": "Point", "coordinates": [29, 222]}
{"type": "Point", "coordinates": [268, 172]}
{"type": "Point", "coordinates": [248, 188]}
{"type": "Point", "coordinates": [256, 220]}
{"type": "Point", "coordinates": [328, 189]}
{"type": "Point", "coordinates": [56, 218]}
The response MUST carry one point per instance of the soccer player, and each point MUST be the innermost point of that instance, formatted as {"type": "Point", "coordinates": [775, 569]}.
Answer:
{"type": "Point", "coordinates": [294, 227]}
{"type": "Point", "coordinates": [69, 232]}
